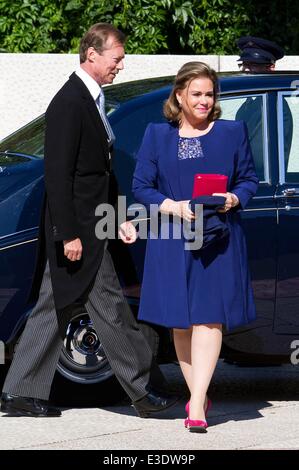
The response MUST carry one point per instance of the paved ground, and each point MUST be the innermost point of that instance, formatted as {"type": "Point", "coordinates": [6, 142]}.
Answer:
{"type": "Point", "coordinates": [253, 408]}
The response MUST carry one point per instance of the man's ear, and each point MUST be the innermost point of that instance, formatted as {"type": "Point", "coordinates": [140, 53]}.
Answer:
{"type": "Point", "coordinates": [90, 54]}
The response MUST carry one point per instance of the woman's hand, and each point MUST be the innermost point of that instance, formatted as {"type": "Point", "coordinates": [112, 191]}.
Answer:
{"type": "Point", "coordinates": [127, 232]}
{"type": "Point", "coordinates": [73, 249]}
{"type": "Point", "coordinates": [178, 208]}
{"type": "Point", "coordinates": [231, 201]}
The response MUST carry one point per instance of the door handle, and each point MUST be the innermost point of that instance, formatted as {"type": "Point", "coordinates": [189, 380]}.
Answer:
{"type": "Point", "coordinates": [290, 192]}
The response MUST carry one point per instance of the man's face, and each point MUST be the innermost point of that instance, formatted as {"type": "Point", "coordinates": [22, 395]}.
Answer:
{"type": "Point", "coordinates": [256, 68]}
{"type": "Point", "coordinates": [105, 66]}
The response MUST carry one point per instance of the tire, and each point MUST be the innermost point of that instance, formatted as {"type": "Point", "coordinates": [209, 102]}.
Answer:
{"type": "Point", "coordinates": [84, 375]}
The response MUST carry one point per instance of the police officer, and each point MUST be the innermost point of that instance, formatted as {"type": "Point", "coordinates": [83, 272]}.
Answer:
{"type": "Point", "coordinates": [259, 56]}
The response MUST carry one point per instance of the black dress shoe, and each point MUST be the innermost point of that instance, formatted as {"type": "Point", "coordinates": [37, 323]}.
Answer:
{"type": "Point", "coordinates": [14, 405]}
{"type": "Point", "coordinates": [154, 402]}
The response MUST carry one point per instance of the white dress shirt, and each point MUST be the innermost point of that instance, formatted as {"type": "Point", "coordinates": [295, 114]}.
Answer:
{"type": "Point", "coordinates": [97, 94]}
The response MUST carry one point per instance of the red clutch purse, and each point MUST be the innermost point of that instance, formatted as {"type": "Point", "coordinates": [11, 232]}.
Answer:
{"type": "Point", "coordinates": [207, 184]}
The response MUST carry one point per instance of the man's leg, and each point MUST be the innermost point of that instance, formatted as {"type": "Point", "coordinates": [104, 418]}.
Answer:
{"type": "Point", "coordinates": [127, 350]}
{"type": "Point", "coordinates": [33, 367]}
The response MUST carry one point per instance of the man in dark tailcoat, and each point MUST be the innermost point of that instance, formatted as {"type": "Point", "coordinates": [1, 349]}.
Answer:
{"type": "Point", "coordinates": [77, 266]}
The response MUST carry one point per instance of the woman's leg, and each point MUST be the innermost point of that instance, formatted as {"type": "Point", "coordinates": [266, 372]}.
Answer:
{"type": "Point", "coordinates": [182, 342]}
{"type": "Point", "coordinates": [205, 349]}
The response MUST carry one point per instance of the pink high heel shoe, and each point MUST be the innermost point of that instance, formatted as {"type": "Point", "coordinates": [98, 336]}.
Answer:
{"type": "Point", "coordinates": [187, 408]}
{"type": "Point", "coordinates": [196, 425]}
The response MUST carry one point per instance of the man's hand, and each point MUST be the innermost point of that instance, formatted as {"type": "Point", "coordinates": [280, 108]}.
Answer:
{"type": "Point", "coordinates": [231, 201]}
{"type": "Point", "coordinates": [73, 249]}
{"type": "Point", "coordinates": [127, 232]}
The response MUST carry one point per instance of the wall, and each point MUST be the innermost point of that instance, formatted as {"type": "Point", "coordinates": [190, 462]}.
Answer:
{"type": "Point", "coordinates": [29, 81]}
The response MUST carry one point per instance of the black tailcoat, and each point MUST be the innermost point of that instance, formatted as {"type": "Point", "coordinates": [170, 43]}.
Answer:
{"type": "Point", "coordinates": [77, 180]}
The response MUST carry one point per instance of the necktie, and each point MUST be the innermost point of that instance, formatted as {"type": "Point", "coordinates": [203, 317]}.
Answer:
{"type": "Point", "coordinates": [100, 101]}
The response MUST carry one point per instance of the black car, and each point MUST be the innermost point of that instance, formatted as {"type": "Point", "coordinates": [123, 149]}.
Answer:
{"type": "Point", "coordinates": [269, 103]}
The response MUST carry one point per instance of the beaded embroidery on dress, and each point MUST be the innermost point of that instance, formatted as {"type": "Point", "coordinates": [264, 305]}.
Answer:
{"type": "Point", "coordinates": [190, 147]}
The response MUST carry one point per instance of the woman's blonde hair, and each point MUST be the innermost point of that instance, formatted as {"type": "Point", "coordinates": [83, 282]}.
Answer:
{"type": "Point", "coordinates": [184, 77]}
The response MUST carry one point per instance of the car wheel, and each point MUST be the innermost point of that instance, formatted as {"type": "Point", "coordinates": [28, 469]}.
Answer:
{"type": "Point", "coordinates": [84, 373]}
{"type": "Point", "coordinates": [83, 359]}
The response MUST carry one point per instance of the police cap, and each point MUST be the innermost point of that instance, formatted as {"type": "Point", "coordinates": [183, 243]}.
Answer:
{"type": "Point", "coordinates": [258, 50]}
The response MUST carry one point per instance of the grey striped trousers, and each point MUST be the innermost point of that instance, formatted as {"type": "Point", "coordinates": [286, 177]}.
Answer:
{"type": "Point", "coordinates": [36, 357]}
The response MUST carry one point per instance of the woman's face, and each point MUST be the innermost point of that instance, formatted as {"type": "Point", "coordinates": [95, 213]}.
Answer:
{"type": "Point", "coordinates": [196, 100]}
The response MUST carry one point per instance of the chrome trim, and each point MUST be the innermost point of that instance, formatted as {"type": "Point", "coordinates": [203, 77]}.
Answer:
{"type": "Point", "coordinates": [259, 210]}
{"type": "Point", "coordinates": [266, 179]}
{"type": "Point", "coordinates": [244, 210]}
{"type": "Point", "coordinates": [284, 208]}
{"type": "Point", "coordinates": [18, 244]}
{"type": "Point", "coordinates": [280, 129]}
{"type": "Point", "coordinates": [265, 139]}
{"type": "Point", "coordinates": [18, 233]}
{"type": "Point", "coordinates": [252, 90]}
{"type": "Point", "coordinates": [282, 196]}
{"type": "Point", "coordinates": [263, 197]}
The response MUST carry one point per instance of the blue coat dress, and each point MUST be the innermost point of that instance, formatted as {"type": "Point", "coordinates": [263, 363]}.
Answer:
{"type": "Point", "coordinates": [181, 288]}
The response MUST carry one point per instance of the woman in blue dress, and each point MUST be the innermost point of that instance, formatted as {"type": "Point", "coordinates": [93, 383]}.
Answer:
{"type": "Point", "coordinates": [195, 292]}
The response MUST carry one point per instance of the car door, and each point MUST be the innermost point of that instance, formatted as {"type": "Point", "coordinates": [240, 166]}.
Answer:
{"type": "Point", "coordinates": [129, 123]}
{"type": "Point", "coordinates": [21, 195]}
{"type": "Point", "coordinates": [287, 302]}
{"type": "Point", "coordinates": [260, 217]}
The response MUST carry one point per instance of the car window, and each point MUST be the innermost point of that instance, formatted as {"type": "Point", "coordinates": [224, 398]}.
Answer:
{"type": "Point", "coordinates": [251, 109]}
{"type": "Point", "coordinates": [8, 160]}
{"type": "Point", "coordinates": [117, 94]}
{"type": "Point", "coordinates": [129, 124]}
{"type": "Point", "coordinates": [289, 136]}
{"type": "Point", "coordinates": [28, 140]}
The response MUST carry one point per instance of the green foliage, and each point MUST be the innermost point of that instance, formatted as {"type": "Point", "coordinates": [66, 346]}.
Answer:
{"type": "Point", "coordinates": [151, 26]}
{"type": "Point", "coordinates": [218, 25]}
{"type": "Point", "coordinates": [31, 26]}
